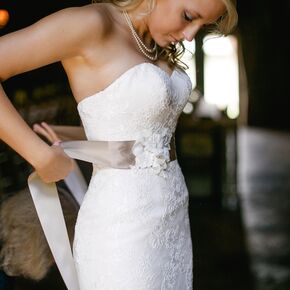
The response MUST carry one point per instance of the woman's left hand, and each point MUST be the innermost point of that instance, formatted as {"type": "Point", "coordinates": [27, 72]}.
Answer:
{"type": "Point", "coordinates": [46, 131]}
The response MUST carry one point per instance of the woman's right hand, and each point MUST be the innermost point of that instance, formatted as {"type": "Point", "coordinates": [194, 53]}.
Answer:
{"type": "Point", "coordinates": [57, 165]}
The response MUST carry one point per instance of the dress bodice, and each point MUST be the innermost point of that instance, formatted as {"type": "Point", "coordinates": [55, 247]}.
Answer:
{"type": "Point", "coordinates": [133, 229]}
{"type": "Point", "coordinates": [143, 99]}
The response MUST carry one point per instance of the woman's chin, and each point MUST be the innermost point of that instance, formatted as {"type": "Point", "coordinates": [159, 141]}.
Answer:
{"type": "Point", "coordinates": [163, 43]}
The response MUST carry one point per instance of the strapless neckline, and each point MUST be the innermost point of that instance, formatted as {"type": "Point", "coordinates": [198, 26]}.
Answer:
{"type": "Point", "coordinates": [131, 69]}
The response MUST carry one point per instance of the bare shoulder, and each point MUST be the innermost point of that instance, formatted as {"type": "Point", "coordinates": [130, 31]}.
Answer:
{"type": "Point", "coordinates": [103, 16]}
{"type": "Point", "coordinates": [64, 34]}
{"type": "Point", "coordinates": [89, 20]}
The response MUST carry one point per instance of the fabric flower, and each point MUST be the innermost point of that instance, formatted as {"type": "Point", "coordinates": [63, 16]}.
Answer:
{"type": "Point", "coordinates": [151, 150]}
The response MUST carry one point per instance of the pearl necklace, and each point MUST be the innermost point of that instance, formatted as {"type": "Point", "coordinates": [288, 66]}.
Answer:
{"type": "Point", "coordinates": [141, 45]}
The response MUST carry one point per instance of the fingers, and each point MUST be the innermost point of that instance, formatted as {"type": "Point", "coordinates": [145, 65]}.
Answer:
{"type": "Point", "coordinates": [50, 132]}
{"type": "Point", "coordinates": [56, 143]}
{"type": "Point", "coordinates": [38, 129]}
{"type": "Point", "coordinates": [46, 131]}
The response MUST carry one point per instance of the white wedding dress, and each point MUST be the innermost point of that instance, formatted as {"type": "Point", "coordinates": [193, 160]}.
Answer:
{"type": "Point", "coordinates": [133, 231]}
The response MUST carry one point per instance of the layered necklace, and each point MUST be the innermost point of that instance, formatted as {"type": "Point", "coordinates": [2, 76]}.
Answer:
{"type": "Point", "coordinates": [150, 53]}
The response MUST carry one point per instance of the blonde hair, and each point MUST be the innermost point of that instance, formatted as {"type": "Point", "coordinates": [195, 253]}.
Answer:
{"type": "Point", "coordinates": [172, 53]}
{"type": "Point", "coordinates": [227, 22]}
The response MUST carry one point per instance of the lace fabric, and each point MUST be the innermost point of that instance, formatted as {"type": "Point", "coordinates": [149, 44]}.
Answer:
{"type": "Point", "coordinates": [133, 229]}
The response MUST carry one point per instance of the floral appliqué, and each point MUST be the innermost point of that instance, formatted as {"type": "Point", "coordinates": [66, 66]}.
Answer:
{"type": "Point", "coordinates": [151, 150]}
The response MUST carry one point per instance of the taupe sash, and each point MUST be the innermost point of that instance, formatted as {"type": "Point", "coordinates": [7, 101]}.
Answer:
{"type": "Point", "coordinates": [115, 154]}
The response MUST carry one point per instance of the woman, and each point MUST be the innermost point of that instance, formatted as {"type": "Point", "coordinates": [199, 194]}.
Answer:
{"type": "Point", "coordinates": [121, 60]}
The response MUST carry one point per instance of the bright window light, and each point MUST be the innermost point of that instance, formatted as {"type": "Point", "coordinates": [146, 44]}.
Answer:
{"type": "Point", "coordinates": [221, 78]}
{"type": "Point", "coordinates": [189, 59]}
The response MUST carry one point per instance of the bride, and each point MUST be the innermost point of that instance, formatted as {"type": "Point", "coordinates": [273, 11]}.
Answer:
{"type": "Point", "coordinates": [122, 61]}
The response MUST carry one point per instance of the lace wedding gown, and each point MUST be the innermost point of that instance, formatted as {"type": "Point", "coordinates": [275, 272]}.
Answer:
{"type": "Point", "coordinates": [133, 231]}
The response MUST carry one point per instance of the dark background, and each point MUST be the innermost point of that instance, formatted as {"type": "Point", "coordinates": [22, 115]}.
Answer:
{"type": "Point", "coordinates": [264, 30]}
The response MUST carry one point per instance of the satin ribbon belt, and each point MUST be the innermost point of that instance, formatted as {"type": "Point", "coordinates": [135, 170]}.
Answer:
{"type": "Point", "coordinates": [114, 154]}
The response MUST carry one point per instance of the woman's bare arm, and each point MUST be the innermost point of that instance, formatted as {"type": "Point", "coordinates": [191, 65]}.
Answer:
{"type": "Point", "coordinates": [60, 36]}
{"type": "Point", "coordinates": [66, 34]}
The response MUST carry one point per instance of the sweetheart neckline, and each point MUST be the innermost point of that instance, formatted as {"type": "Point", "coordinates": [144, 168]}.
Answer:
{"type": "Point", "coordinates": [125, 73]}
